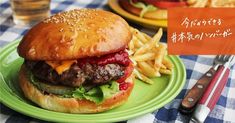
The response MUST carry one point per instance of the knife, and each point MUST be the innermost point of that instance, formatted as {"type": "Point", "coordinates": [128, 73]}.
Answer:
{"type": "Point", "coordinates": [213, 92]}
{"type": "Point", "coordinates": [189, 102]}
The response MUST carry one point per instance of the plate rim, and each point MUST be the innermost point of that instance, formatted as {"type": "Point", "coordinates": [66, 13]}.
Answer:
{"type": "Point", "coordinates": [12, 46]}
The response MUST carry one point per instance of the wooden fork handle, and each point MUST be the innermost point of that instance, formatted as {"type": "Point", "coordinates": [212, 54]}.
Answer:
{"type": "Point", "coordinates": [195, 93]}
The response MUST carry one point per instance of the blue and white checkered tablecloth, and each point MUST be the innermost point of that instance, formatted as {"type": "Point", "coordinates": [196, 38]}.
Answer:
{"type": "Point", "coordinates": [224, 111]}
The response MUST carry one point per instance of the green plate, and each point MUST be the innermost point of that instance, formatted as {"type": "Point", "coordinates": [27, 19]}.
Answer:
{"type": "Point", "coordinates": [144, 98]}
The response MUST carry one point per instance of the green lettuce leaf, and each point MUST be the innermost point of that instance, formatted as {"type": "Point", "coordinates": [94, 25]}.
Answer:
{"type": "Point", "coordinates": [138, 4]}
{"type": "Point", "coordinates": [78, 93]}
{"type": "Point", "coordinates": [110, 90]}
{"type": "Point", "coordinates": [97, 94]}
{"type": "Point", "coordinates": [145, 8]}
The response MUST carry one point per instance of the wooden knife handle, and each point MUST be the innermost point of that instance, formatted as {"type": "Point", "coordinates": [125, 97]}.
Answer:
{"type": "Point", "coordinates": [194, 95]}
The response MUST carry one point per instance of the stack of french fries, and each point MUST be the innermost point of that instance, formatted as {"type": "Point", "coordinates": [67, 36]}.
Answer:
{"type": "Point", "coordinates": [211, 3]}
{"type": "Point", "coordinates": [148, 56]}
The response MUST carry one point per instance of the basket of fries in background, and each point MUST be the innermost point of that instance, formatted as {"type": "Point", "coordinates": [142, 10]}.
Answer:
{"type": "Point", "coordinates": [148, 55]}
{"type": "Point", "coordinates": [211, 3]}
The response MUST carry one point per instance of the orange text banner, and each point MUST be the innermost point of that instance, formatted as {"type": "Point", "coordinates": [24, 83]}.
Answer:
{"type": "Point", "coordinates": [201, 31]}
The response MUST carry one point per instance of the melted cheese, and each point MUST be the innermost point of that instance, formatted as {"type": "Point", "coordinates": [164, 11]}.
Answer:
{"type": "Point", "coordinates": [61, 66]}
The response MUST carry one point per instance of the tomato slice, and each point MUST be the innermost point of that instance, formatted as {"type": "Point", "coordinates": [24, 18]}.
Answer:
{"type": "Point", "coordinates": [166, 4]}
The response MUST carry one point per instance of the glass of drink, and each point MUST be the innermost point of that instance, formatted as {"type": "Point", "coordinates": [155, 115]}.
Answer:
{"type": "Point", "coordinates": [29, 12]}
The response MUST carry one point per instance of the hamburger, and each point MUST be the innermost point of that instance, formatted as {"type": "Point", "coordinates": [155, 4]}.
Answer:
{"type": "Point", "coordinates": [151, 9]}
{"type": "Point", "coordinates": [76, 62]}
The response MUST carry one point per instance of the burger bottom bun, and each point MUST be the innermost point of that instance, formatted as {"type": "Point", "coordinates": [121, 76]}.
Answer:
{"type": "Point", "coordinates": [156, 15]}
{"type": "Point", "coordinates": [70, 105]}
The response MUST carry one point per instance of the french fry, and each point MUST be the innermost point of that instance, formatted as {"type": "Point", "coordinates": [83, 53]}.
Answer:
{"type": "Point", "coordinates": [147, 36]}
{"type": "Point", "coordinates": [211, 3]}
{"type": "Point", "coordinates": [143, 77]}
{"type": "Point", "coordinates": [133, 61]}
{"type": "Point", "coordinates": [151, 63]}
{"type": "Point", "coordinates": [159, 56]}
{"type": "Point", "coordinates": [200, 3]}
{"type": "Point", "coordinates": [130, 52]}
{"type": "Point", "coordinates": [145, 48]}
{"type": "Point", "coordinates": [148, 56]}
{"type": "Point", "coordinates": [149, 45]}
{"type": "Point", "coordinates": [147, 69]}
{"type": "Point", "coordinates": [222, 3]}
{"type": "Point", "coordinates": [165, 71]}
{"type": "Point", "coordinates": [141, 50]}
{"type": "Point", "coordinates": [191, 2]}
{"type": "Point", "coordinates": [167, 63]}
{"type": "Point", "coordinates": [156, 38]}
{"type": "Point", "coordinates": [138, 34]}
{"type": "Point", "coordinates": [146, 79]}
{"type": "Point", "coordinates": [163, 66]}
{"type": "Point", "coordinates": [137, 42]}
{"type": "Point", "coordinates": [131, 45]}
{"type": "Point", "coordinates": [137, 73]}
{"type": "Point", "coordinates": [144, 57]}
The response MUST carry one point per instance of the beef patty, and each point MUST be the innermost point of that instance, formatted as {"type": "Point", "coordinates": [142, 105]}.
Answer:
{"type": "Point", "coordinates": [76, 75]}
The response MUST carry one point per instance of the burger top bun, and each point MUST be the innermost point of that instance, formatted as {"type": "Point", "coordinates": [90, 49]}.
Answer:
{"type": "Point", "coordinates": [75, 34]}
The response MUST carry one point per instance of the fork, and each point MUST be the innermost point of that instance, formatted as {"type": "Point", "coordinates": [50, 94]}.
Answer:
{"type": "Point", "coordinates": [188, 104]}
{"type": "Point", "coordinates": [221, 59]}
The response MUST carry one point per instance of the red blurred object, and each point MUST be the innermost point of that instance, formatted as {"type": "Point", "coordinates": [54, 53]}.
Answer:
{"type": "Point", "coordinates": [164, 4]}
{"type": "Point", "coordinates": [123, 86]}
